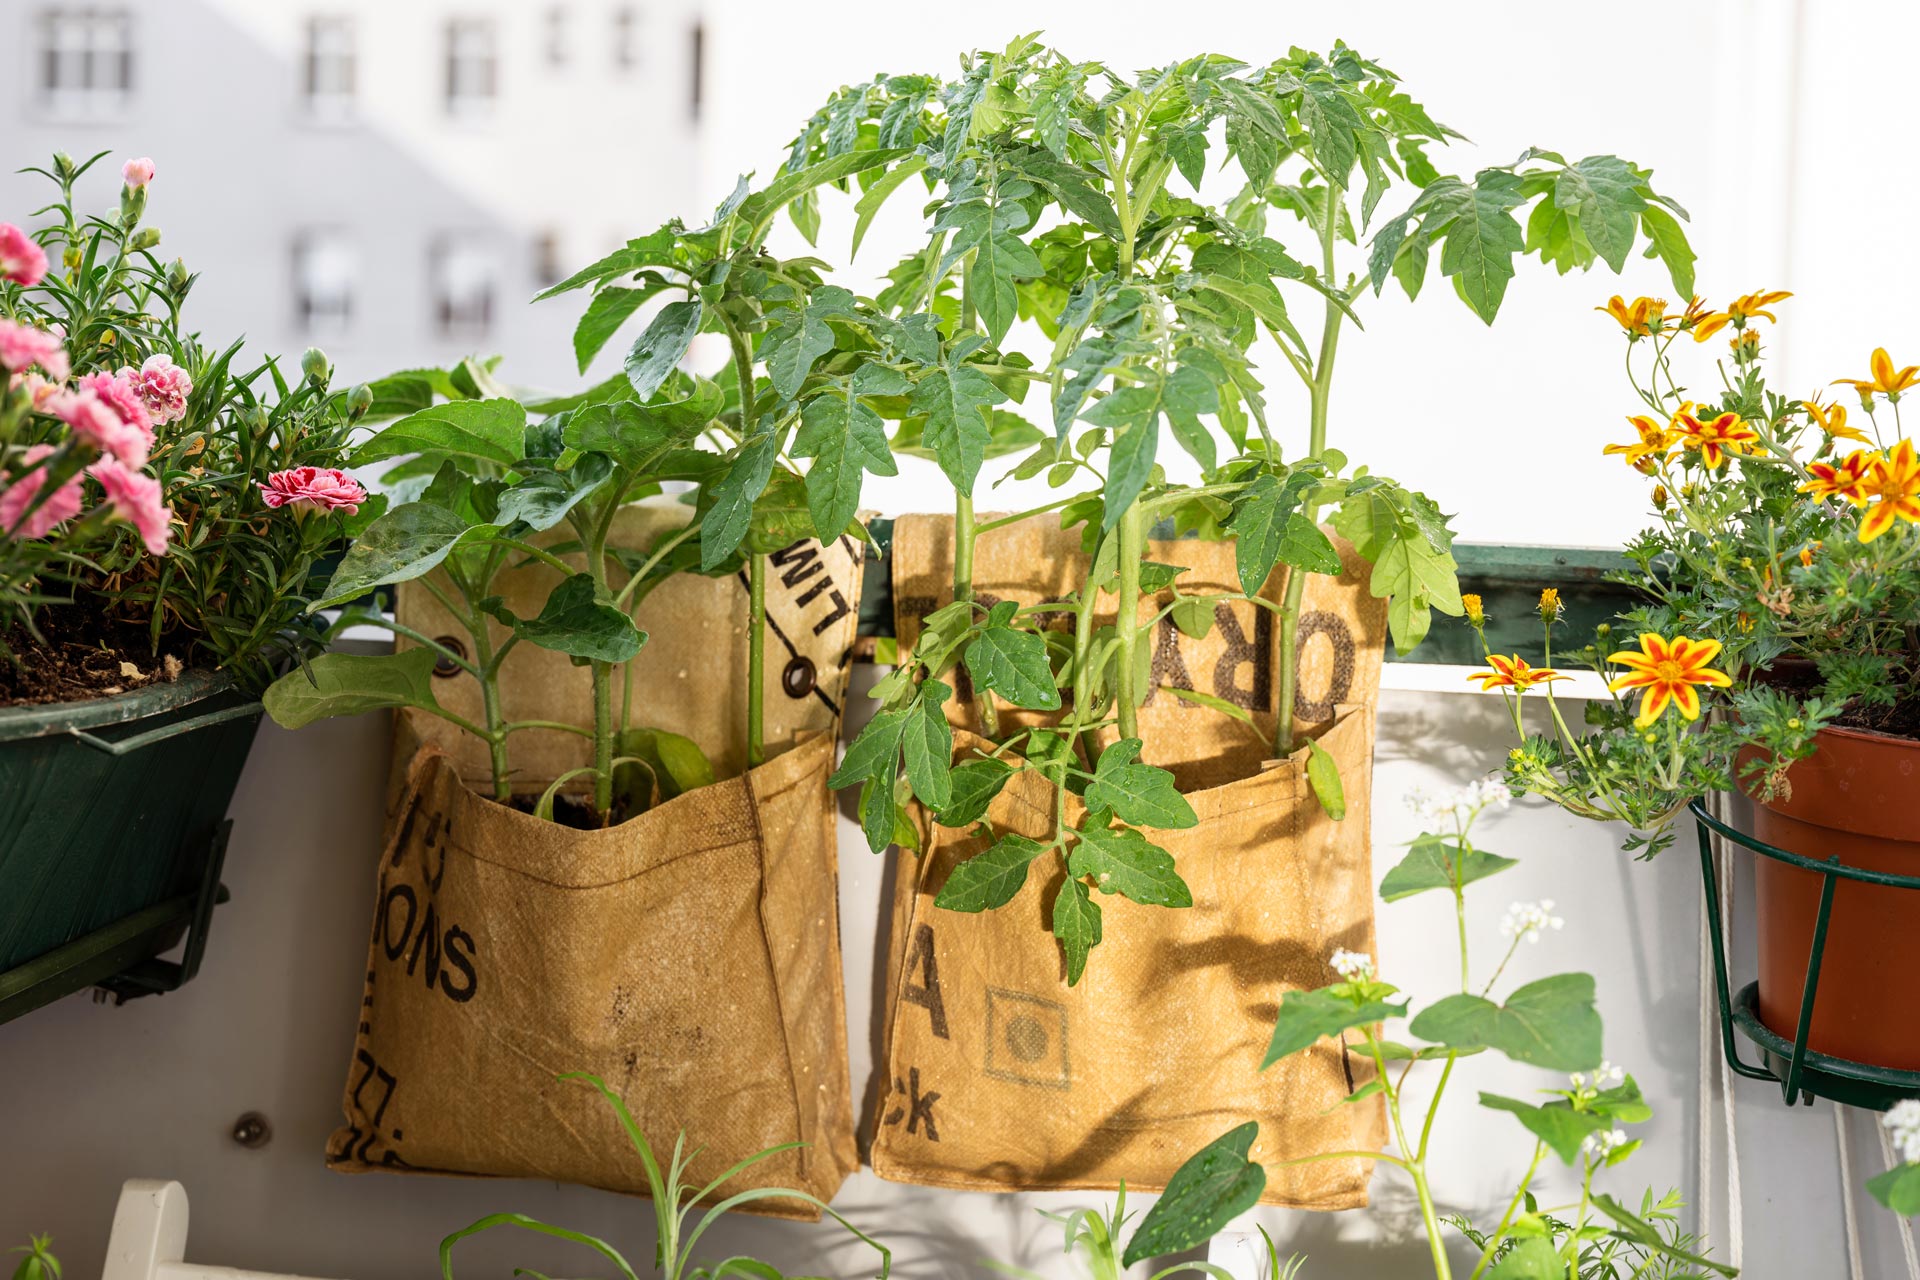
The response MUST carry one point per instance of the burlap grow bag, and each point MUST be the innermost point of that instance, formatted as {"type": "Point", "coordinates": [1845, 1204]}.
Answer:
{"type": "Point", "coordinates": [689, 957]}
{"type": "Point", "coordinates": [1001, 1076]}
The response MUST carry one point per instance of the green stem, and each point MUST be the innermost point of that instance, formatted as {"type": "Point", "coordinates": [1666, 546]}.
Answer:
{"type": "Point", "coordinates": [1126, 621]}
{"type": "Point", "coordinates": [756, 659]}
{"type": "Point", "coordinates": [965, 536]}
{"type": "Point", "coordinates": [495, 735]}
{"type": "Point", "coordinates": [1414, 1163]}
{"type": "Point", "coordinates": [1513, 1207]}
{"type": "Point", "coordinates": [1318, 392]}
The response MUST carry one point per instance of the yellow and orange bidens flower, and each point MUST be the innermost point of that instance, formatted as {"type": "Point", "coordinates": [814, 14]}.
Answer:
{"type": "Point", "coordinates": [1847, 478]}
{"type": "Point", "coordinates": [1743, 308]}
{"type": "Point", "coordinates": [1894, 486]}
{"type": "Point", "coordinates": [1832, 419]}
{"type": "Point", "coordinates": [1881, 377]}
{"type": "Point", "coordinates": [1715, 439]}
{"type": "Point", "coordinates": [1513, 673]}
{"type": "Point", "coordinates": [1639, 317]}
{"type": "Point", "coordinates": [1669, 671]}
{"type": "Point", "coordinates": [1652, 448]}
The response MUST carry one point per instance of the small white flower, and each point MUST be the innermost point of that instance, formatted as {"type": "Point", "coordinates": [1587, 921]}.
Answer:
{"type": "Point", "coordinates": [1902, 1123]}
{"type": "Point", "coordinates": [1529, 920]}
{"type": "Point", "coordinates": [1600, 1145]}
{"type": "Point", "coordinates": [1354, 966]}
{"type": "Point", "coordinates": [1605, 1076]}
{"type": "Point", "coordinates": [1460, 805]}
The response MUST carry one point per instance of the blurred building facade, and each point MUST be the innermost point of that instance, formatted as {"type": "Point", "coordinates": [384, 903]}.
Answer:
{"type": "Point", "coordinates": [391, 180]}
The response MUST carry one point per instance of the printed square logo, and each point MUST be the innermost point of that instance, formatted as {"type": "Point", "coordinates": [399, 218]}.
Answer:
{"type": "Point", "coordinates": [1027, 1039]}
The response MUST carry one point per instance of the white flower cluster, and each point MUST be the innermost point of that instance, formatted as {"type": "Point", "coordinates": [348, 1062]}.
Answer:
{"type": "Point", "coordinates": [1902, 1122]}
{"type": "Point", "coordinates": [1605, 1076]}
{"type": "Point", "coordinates": [1528, 920]}
{"type": "Point", "coordinates": [1461, 804]}
{"type": "Point", "coordinates": [1354, 966]}
{"type": "Point", "coordinates": [1601, 1145]}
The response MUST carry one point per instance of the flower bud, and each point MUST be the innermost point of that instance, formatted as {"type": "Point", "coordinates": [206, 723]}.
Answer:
{"type": "Point", "coordinates": [314, 365]}
{"type": "Point", "coordinates": [1476, 611]}
{"type": "Point", "coordinates": [359, 400]}
{"type": "Point", "coordinates": [1604, 630]}
{"type": "Point", "coordinates": [1660, 497]}
{"type": "Point", "coordinates": [63, 166]}
{"type": "Point", "coordinates": [179, 279]}
{"type": "Point", "coordinates": [256, 421]}
{"type": "Point", "coordinates": [133, 203]}
{"type": "Point", "coordinates": [137, 172]}
{"type": "Point", "coordinates": [144, 238]}
{"type": "Point", "coordinates": [1550, 605]}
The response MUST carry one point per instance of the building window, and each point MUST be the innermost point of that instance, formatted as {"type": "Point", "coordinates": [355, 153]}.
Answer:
{"type": "Point", "coordinates": [626, 38]}
{"type": "Point", "coordinates": [329, 68]}
{"type": "Point", "coordinates": [548, 260]}
{"type": "Point", "coordinates": [324, 270]}
{"type": "Point", "coordinates": [463, 279]}
{"type": "Point", "coordinates": [86, 61]}
{"type": "Point", "coordinates": [557, 43]}
{"type": "Point", "coordinates": [472, 66]}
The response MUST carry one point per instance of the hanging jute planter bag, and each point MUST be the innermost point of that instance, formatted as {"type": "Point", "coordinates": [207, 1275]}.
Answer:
{"type": "Point", "coordinates": [1001, 1076]}
{"type": "Point", "coordinates": [690, 956]}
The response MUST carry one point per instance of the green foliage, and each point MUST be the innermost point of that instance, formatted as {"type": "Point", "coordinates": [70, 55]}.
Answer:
{"type": "Point", "coordinates": [232, 586]}
{"type": "Point", "coordinates": [1306, 1017]}
{"type": "Point", "coordinates": [1549, 1023]}
{"type": "Point", "coordinates": [1898, 1189]}
{"type": "Point", "coordinates": [1216, 1184]}
{"type": "Point", "coordinates": [682, 1211]}
{"type": "Point", "coordinates": [1432, 863]}
{"type": "Point", "coordinates": [36, 1260]}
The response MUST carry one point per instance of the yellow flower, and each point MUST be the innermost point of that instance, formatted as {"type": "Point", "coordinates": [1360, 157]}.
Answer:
{"type": "Point", "coordinates": [1660, 497]}
{"type": "Point", "coordinates": [1669, 671]}
{"type": "Point", "coordinates": [1844, 479]}
{"type": "Point", "coordinates": [1513, 673]}
{"type": "Point", "coordinates": [1697, 310]}
{"type": "Point", "coordinates": [1747, 340]}
{"type": "Point", "coordinates": [1716, 438]}
{"type": "Point", "coordinates": [1654, 442]}
{"type": "Point", "coordinates": [1476, 611]}
{"type": "Point", "coordinates": [1832, 419]}
{"type": "Point", "coordinates": [1806, 554]}
{"type": "Point", "coordinates": [1742, 309]}
{"type": "Point", "coordinates": [1882, 377]}
{"type": "Point", "coordinates": [1550, 604]}
{"type": "Point", "coordinates": [1638, 318]}
{"type": "Point", "coordinates": [1894, 487]}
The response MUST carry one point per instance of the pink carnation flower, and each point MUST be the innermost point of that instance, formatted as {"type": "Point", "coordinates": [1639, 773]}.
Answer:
{"type": "Point", "coordinates": [62, 504]}
{"type": "Point", "coordinates": [100, 423]}
{"type": "Point", "coordinates": [135, 497]}
{"type": "Point", "coordinates": [162, 386]}
{"type": "Point", "coordinates": [21, 260]}
{"type": "Point", "coordinates": [313, 488]}
{"type": "Point", "coordinates": [138, 173]}
{"type": "Point", "coordinates": [40, 392]}
{"type": "Point", "coordinates": [22, 345]}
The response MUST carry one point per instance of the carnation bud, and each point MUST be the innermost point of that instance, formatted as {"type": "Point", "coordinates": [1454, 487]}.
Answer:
{"type": "Point", "coordinates": [256, 421]}
{"type": "Point", "coordinates": [314, 364]}
{"type": "Point", "coordinates": [359, 400]}
{"type": "Point", "coordinates": [133, 203]}
{"type": "Point", "coordinates": [145, 238]}
{"type": "Point", "coordinates": [179, 279]}
{"type": "Point", "coordinates": [63, 166]}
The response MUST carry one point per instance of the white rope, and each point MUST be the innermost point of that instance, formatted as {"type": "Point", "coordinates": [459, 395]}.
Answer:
{"type": "Point", "coordinates": [1855, 1270]}
{"type": "Point", "coordinates": [1906, 1223]}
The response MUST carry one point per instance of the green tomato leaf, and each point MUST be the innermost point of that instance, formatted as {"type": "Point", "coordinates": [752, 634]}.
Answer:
{"type": "Point", "coordinates": [1307, 1017]}
{"type": "Point", "coordinates": [1076, 924]}
{"type": "Point", "coordinates": [580, 620]}
{"type": "Point", "coordinates": [874, 751]}
{"type": "Point", "coordinates": [975, 784]}
{"type": "Point", "coordinates": [1123, 861]}
{"type": "Point", "coordinates": [347, 684]}
{"type": "Point", "coordinates": [1138, 793]}
{"type": "Point", "coordinates": [1259, 524]}
{"type": "Point", "coordinates": [928, 745]}
{"type": "Point", "coordinates": [1216, 1184]}
{"type": "Point", "coordinates": [1431, 864]}
{"type": "Point", "coordinates": [1481, 235]}
{"type": "Point", "coordinates": [953, 402]}
{"type": "Point", "coordinates": [999, 260]}
{"type": "Point", "coordinates": [610, 308]}
{"type": "Point", "coordinates": [1014, 665]}
{"type": "Point", "coordinates": [846, 439]}
{"type": "Point", "coordinates": [492, 430]}
{"type": "Point", "coordinates": [1605, 193]}
{"type": "Point", "coordinates": [1666, 241]}
{"type": "Point", "coordinates": [1550, 1023]}
{"type": "Point", "coordinates": [403, 544]}
{"type": "Point", "coordinates": [658, 351]}
{"type": "Point", "coordinates": [733, 496]}
{"type": "Point", "coordinates": [991, 878]}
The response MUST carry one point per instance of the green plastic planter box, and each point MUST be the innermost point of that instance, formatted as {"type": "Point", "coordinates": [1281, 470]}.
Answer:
{"type": "Point", "coordinates": [112, 827]}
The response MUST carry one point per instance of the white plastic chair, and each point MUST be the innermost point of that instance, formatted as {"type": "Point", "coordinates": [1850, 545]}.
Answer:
{"type": "Point", "coordinates": [149, 1240]}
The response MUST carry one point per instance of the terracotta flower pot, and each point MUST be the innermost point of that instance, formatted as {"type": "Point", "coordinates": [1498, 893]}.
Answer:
{"type": "Point", "coordinates": [1854, 799]}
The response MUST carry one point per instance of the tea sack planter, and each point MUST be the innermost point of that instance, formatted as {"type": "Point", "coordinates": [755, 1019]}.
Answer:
{"type": "Point", "coordinates": [111, 830]}
{"type": "Point", "coordinates": [689, 957]}
{"type": "Point", "coordinates": [1001, 1076]}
